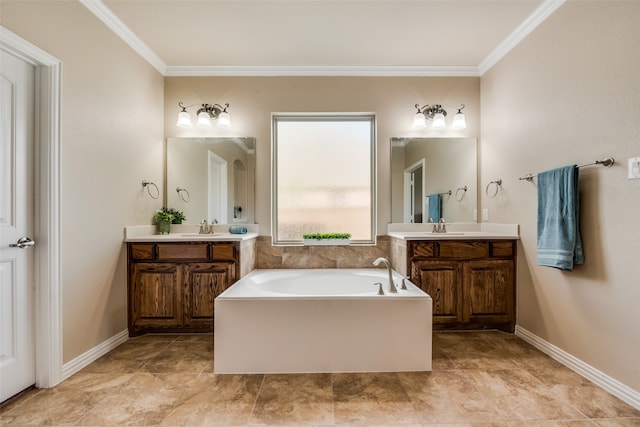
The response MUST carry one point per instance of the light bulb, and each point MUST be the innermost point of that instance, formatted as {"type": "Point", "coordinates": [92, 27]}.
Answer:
{"type": "Point", "coordinates": [438, 121]}
{"type": "Point", "coordinates": [419, 121]}
{"type": "Point", "coordinates": [184, 120]}
{"type": "Point", "coordinates": [204, 121]}
{"type": "Point", "coordinates": [459, 121]}
{"type": "Point", "coordinates": [224, 120]}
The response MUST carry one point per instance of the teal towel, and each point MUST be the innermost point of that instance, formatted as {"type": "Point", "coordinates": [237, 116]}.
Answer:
{"type": "Point", "coordinates": [435, 207]}
{"type": "Point", "coordinates": [237, 229]}
{"type": "Point", "coordinates": [559, 242]}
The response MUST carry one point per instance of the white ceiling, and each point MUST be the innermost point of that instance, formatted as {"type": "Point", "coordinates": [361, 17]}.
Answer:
{"type": "Point", "coordinates": [322, 37]}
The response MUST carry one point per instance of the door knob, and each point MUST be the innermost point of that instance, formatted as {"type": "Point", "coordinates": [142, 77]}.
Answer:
{"type": "Point", "coordinates": [23, 242]}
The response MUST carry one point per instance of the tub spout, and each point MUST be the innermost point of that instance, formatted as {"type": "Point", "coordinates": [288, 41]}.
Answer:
{"type": "Point", "coordinates": [392, 286]}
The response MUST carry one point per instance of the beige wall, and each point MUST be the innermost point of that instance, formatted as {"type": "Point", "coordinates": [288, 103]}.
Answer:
{"type": "Point", "coordinates": [111, 139]}
{"type": "Point", "coordinates": [253, 99]}
{"type": "Point", "coordinates": [570, 93]}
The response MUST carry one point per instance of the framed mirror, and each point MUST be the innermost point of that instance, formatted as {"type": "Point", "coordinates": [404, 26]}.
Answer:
{"type": "Point", "coordinates": [423, 167]}
{"type": "Point", "coordinates": [212, 179]}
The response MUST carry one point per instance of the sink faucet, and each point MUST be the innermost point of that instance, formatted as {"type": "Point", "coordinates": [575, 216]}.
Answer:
{"type": "Point", "coordinates": [204, 228]}
{"type": "Point", "coordinates": [441, 227]}
{"type": "Point", "coordinates": [392, 286]}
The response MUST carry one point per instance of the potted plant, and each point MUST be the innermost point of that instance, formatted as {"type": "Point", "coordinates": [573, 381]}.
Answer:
{"type": "Point", "coordinates": [164, 219]}
{"type": "Point", "coordinates": [178, 216]}
{"type": "Point", "coordinates": [326, 239]}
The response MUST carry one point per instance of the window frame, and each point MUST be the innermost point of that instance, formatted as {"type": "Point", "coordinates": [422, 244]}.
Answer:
{"type": "Point", "coordinates": [315, 117]}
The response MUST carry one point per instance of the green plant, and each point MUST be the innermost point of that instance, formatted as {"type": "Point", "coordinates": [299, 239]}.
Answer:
{"type": "Point", "coordinates": [321, 236]}
{"type": "Point", "coordinates": [163, 215]}
{"type": "Point", "coordinates": [178, 216]}
{"type": "Point", "coordinates": [170, 214]}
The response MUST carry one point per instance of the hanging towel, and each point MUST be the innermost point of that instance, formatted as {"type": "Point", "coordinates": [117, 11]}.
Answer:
{"type": "Point", "coordinates": [559, 242]}
{"type": "Point", "coordinates": [435, 207]}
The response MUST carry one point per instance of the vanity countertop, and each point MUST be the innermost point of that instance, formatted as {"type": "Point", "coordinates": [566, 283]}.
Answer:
{"type": "Point", "coordinates": [455, 231]}
{"type": "Point", "coordinates": [187, 233]}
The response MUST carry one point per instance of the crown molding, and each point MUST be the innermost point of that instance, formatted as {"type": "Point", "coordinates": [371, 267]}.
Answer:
{"type": "Point", "coordinates": [523, 30]}
{"type": "Point", "coordinates": [103, 13]}
{"type": "Point", "coordinates": [320, 70]}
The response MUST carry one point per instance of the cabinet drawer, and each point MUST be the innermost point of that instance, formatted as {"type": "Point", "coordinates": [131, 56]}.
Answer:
{"type": "Point", "coordinates": [223, 251]}
{"type": "Point", "coordinates": [502, 249]}
{"type": "Point", "coordinates": [463, 249]}
{"type": "Point", "coordinates": [141, 252]}
{"type": "Point", "coordinates": [168, 251]}
{"type": "Point", "coordinates": [423, 249]}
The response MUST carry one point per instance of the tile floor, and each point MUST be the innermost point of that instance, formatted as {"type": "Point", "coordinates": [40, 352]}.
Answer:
{"type": "Point", "coordinates": [479, 379]}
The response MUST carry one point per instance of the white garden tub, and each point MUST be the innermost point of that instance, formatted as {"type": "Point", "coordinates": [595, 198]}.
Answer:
{"type": "Point", "coordinates": [321, 320]}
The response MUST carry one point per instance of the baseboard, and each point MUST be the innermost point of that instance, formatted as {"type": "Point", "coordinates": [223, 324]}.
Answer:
{"type": "Point", "coordinates": [94, 354]}
{"type": "Point", "coordinates": [613, 386]}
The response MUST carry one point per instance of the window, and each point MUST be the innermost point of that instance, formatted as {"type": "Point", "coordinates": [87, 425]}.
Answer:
{"type": "Point", "coordinates": [323, 176]}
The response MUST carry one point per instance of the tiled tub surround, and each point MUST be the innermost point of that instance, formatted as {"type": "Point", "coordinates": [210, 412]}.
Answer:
{"type": "Point", "coordinates": [352, 256]}
{"type": "Point", "coordinates": [321, 320]}
{"type": "Point", "coordinates": [488, 379]}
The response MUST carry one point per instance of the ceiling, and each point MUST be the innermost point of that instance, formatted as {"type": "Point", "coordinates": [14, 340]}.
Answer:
{"type": "Point", "coordinates": [322, 37]}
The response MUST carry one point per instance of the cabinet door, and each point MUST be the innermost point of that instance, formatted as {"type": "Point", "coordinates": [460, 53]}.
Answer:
{"type": "Point", "coordinates": [202, 282]}
{"type": "Point", "coordinates": [442, 281]}
{"type": "Point", "coordinates": [154, 298]}
{"type": "Point", "coordinates": [489, 291]}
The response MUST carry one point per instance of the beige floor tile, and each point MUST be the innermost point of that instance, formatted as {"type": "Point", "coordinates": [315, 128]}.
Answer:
{"type": "Point", "coordinates": [471, 351]}
{"type": "Point", "coordinates": [518, 395]}
{"type": "Point", "coordinates": [128, 357]}
{"type": "Point", "coordinates": [590, 399]}
{"type": "Point", "coordinates": [618, 422]}
{"type": "Point", "coordinates": [183, 356]}
{"type": "Point", "coordinates": [145, 399]}
{"type": "Point", "coordinates": [480, 379]}
{"type": "Point", "coordinates": [223, 400]}
{"type": "Point", "coordinates": [372, 398]}
{"type": "Point", "coordinates": [298, 399]}
{"type": "Point", "coordinates": [447, 397]}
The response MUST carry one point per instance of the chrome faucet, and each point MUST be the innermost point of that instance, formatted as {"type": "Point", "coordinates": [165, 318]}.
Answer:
{"type": "Point", "coordinates": [440, 227]}
{"type": "Point", "coordinates": [392, 286]}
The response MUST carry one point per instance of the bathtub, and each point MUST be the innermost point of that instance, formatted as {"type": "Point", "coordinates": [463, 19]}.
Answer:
{"type": "Point", "coordinates": [321, 320]}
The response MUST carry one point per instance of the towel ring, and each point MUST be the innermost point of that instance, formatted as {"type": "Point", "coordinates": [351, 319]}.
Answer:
{"type": "Point", "coordinates": [498, 183]}
{"type": "Point", "coordinates": [464, 191]}
{"type": "Point", "coordinates": [182, 192]}
{"type": "Point", "coordinates": [148, 184]}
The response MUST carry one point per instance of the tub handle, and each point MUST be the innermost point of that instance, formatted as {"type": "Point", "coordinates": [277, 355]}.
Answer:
{"type": "Point", "coordinates": [380, 290]}
{"type": "Point", "coordinates": [404, 285]}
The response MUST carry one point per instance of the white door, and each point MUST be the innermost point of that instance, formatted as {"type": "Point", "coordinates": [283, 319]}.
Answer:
{"type": "Point", "coordinates": [17, 263]}
{"type": "Point", "coordinates": [217, 188]}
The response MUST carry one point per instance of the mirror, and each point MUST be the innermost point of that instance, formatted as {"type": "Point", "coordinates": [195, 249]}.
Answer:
{"type": "Point", "coordinates": [212, 179]}
{"type": "Point", "coordinates": [421, 167]}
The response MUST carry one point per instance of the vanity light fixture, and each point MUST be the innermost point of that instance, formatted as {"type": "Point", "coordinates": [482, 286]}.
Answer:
{"type": "Point", "coordinates": [436, 114]}
{"type": "Point", "coordinates": [205, 114]}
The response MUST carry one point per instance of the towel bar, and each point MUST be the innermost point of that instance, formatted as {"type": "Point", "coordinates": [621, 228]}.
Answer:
{"type": "Point", "coordinates": [606, 162]}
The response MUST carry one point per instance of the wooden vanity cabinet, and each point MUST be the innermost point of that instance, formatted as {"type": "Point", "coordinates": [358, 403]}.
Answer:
{"type": "Point", "coordinates": [172, 285]}
{"type": "Point", "coordinates": [471, 282]}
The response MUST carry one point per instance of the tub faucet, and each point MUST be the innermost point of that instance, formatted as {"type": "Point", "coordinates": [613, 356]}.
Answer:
{"type": "Point", "coordinates": [392, 286]}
